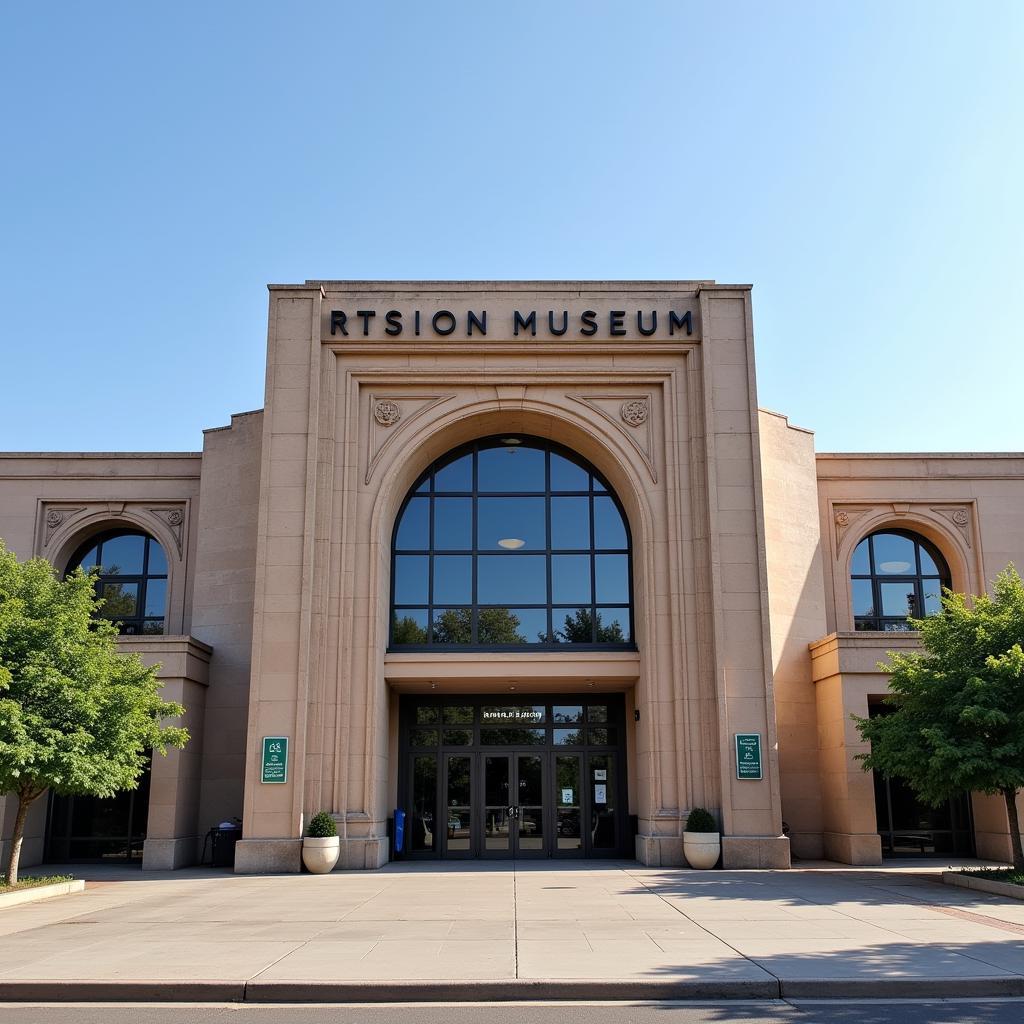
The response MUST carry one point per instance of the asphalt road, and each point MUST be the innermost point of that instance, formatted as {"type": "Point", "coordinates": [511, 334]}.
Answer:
{"type": "Point", "coordinates": [996, 1011]}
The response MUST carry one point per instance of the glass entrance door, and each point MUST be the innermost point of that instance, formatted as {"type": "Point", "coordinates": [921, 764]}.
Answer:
{"type": "Point", "coordinates": [527, 777]}
{"type": "Point", "coordinates": [515, 809]}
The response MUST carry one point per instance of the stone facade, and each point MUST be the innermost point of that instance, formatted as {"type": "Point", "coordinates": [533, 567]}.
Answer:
{"type": "Point", "coordinates": [278, 540]}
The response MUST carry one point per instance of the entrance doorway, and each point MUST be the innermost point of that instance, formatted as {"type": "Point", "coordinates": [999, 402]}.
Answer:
{"type": "Point", "coordinates": [910, 828]}
{"type": "Point", "coordinates": [533, 778]}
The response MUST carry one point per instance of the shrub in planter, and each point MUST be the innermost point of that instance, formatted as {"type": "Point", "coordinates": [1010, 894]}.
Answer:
{"type": "Point", "coordinates": [321, 846]}
{"type": "Point", "coordinates": [321, 826]}
{"type": "Point", "coordinates": [701, 842]}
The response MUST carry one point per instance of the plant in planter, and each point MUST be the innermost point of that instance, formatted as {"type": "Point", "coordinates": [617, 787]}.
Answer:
{"type": "Point", "coordinates": [321, 846]}
{"type": "Point", "coordinates": [702, 844]}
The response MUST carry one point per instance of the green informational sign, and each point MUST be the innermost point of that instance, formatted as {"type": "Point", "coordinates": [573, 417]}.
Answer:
{"type": "Point", "coordinates": [275, 759]}
{"type": "Point", "coordinates": [748, 755]}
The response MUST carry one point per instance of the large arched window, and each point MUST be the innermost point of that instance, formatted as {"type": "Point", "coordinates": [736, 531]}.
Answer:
{"type": "Point", "coordinates": [895, 574]}
{"type": "Point", "coordinates": [132, 580]}
{"type": "Point", "coordinates": [511, 542]}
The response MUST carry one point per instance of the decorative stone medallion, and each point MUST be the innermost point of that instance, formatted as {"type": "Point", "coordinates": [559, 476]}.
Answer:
{"type": "Point", "coordinates": [635, 411]}
{"type": "Point", "coordinates": [961, 517]}
{"type": "Point", "coordinates": [387, 413]}
{"type": "Point", "coordinates": [54, 518]}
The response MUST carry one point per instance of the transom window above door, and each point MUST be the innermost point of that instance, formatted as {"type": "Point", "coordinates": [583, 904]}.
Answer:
{"type": "Point", "coordinates": [511, 541]}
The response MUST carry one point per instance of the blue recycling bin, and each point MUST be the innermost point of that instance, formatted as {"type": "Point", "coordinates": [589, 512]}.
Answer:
{"type": "Point", "coordinates": [399, 830]}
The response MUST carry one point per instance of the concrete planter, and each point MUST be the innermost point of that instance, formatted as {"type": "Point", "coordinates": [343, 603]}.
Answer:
{"type": "Point", "coordinates": [320, 855]}
{"type": "Point", "coordinates": [702, 849]}
{"type": "Point", "coordinates": [40, 892]}
{"type": "Point", "coordinates": [981, 884]}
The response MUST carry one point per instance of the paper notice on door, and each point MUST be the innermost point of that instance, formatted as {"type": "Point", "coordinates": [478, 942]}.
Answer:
{"type": "Point", "coordinates": [566, 796]}
{"type": "Point", "coordinates": [600, 794]}
{"type": "Point", "coordinates": [601, 774]}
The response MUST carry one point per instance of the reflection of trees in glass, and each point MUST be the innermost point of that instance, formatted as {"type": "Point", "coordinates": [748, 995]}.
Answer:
{"type": "Point", "coordinates": [494, 626]}
{"type": "Point", "coordinates": [579, 629]}
{"type": "Point", "coordinates": [408, 631]}
{"type": "Point", "coordinates": [504, 737]}
{"type": "Point", "coordinates": [568, 772]}
{"type": "Point", "coordinates": [458, 781]}
{"type": "Point", "coordinates": [119, 601]}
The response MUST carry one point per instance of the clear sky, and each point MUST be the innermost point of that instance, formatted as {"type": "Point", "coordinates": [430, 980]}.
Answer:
{"type": "Point", "coordinates": [862, 164]}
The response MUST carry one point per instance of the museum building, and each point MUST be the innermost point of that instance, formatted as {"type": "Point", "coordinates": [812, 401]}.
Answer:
{"type": "Point", "coordinates": [526, 562]}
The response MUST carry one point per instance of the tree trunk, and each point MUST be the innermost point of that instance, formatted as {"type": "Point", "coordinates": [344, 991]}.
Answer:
{"type": "Point", "coordinates": [1010, 795]}
{"type": "Point", "coordinates": [25, 800]}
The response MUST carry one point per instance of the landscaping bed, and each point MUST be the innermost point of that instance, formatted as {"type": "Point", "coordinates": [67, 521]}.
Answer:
{"type": "Point", "coordinates": [29, 881]}
{"type": "Point", "coordinates": [37, 887]}
{"type": "Point", "coordinates": [998, 881]}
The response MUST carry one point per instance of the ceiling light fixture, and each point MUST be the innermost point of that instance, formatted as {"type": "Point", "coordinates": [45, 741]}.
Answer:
{"type": "Point", "coordinates": [894, 566]}
{"type": "Point", "coordinates": [512, 543]}
{"type": "Point", "coordinates": [511, 440]}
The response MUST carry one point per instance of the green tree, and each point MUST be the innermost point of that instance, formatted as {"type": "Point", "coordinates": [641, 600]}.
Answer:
{"type": "Point", "coordinates": [958, 718]}
{"type": "Point", "coordinates": [407, 630]}
{"type": "Point", "coordinates": [76, 716]}
{"type": "Point", "coordinates": [493, 626]}
{"type": "Point", "coordinates": [579, 629]}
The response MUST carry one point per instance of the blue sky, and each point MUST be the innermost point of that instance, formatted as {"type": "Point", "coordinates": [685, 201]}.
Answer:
{"type": "Point", "coordinates": [861, 164]}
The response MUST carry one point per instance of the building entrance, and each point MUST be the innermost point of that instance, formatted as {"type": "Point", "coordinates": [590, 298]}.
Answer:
{"type": "Point", "coordinates": [531, 778]}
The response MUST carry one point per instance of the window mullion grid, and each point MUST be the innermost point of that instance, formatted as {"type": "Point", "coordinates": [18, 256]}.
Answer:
{"type": "Point", "coordinates": [474, 605]}
{"type": "Point", "coordinates": [430, 565]}
{"type": "Point", "coordinates": [593, 562]}
{"type": "Point", "coordinates": [550, 635]}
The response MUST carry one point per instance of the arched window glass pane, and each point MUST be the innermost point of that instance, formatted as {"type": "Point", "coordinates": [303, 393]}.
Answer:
{"type": "Point", "coordinates": [861, 562]}
{"type": "Point", "coordinates": [456, 476]}
{"type": "Point", "coordinates": [895, 574]}
{"type": "Point", "coordinates": [123, 556]}
{"type": "Point", "coordinates": [453, 524]}
{"type": "Point", "coordinates": [893, 554]}
{"type": "Point", "coordinates": [609, 529]}
{"type": "Point", "coordinates": [567, 476]}
{"type": "Point", "coordinates": [415, 532]}
{"type": "Point", "coordinates": [510, 468]}
{"type": "Point", "coordinates": [132, 579]}
{"type": "Point", "coordinates": [511, 524]}
{"type": "Point", "coordinates": [510, 542]}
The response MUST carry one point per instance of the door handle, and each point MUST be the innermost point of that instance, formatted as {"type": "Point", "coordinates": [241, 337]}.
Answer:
{"type": "Point", "coordinates": [513, 812]}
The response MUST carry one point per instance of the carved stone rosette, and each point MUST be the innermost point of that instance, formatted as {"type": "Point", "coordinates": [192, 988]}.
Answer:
{"type": "Point", "coordinates": [386, 412]}
{"type": "Point", "coordinates": [174, 518]}
{"type": "Point", "coordinates": [635, 411]}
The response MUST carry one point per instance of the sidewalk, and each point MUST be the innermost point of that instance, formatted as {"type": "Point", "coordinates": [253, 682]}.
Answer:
{"type": "Point", "coordinates": [524, 931]}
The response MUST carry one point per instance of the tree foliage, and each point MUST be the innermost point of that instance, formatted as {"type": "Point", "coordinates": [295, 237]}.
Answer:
{"type": "Point", "coordinates": [76, 715]}
{"type": "Point", "coordinates": [957, 721]}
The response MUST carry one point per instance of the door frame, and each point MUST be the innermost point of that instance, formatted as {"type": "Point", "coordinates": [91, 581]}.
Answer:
{"type": "Point", "coordinates": [548, 752]}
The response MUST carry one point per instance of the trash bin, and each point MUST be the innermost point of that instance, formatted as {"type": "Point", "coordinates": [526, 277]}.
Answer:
{"type": "Point", "coordinates": [224, 837]}
{"type": "Point", "coordinates": [399, 831]}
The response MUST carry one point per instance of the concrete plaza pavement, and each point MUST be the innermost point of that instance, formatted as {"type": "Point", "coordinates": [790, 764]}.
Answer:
{"type": "Point", "coordinates": [536, 930]}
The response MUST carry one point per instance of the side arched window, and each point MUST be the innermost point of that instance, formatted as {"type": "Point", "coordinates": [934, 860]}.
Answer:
{"type": "Point", "coordinates": [132, 580]}
{"type": "Point", "coordinates": [895, 574]}
{"type": "Point", "coordinates": [511, 542]}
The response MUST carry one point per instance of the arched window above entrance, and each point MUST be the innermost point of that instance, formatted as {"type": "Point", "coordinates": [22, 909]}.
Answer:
{"type": "Point", "coordinates": [132, 579]}
{"type": "Point", "coordinates": [895, 574]}
{"type": "Point", "coordinates": [511, 542]}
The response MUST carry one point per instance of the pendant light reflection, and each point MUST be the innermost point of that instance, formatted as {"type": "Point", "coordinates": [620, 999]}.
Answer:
{"type": "Point", "coordinates": [511, 543]}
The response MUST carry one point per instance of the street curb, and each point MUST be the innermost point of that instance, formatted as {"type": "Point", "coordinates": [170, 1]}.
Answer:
{"type": "Point", "coordinates": [40, 892]}
{"type": "Point", "coordinates": [903, 988]}
{"type": "Point", "coordinates": [505, 990]}
{"type": "Point", "coordinates": [981, 884]}
{"type": "Point", "coordinates": [509, 990]}
{"type": "Point", "coordinates": [115, 991]}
